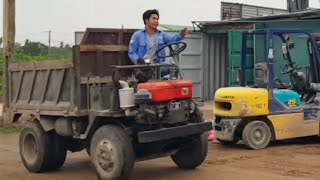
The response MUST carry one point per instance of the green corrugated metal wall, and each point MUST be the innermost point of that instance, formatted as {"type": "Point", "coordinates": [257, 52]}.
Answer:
{"type": "Point", "coordinates": [234, 49]}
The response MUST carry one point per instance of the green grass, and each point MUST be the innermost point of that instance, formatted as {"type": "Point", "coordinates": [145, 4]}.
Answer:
{"type": "Point", "coordinates": [10, 129]}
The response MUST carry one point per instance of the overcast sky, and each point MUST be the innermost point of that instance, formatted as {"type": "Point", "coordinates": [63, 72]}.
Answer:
{"type": "Point", "coordinates": [34, 18]}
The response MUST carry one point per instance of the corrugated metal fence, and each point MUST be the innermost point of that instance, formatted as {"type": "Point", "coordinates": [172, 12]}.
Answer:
{"type": "Point", "coordinates": [215, 63]}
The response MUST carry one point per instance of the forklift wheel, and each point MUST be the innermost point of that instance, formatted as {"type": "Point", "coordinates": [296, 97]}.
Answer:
{"type": "Point", "coordinates": [256, 135]}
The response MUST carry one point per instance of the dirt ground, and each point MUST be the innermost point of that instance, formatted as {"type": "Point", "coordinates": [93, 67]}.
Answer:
{"type": "Point", "coordinates": [298, 159]}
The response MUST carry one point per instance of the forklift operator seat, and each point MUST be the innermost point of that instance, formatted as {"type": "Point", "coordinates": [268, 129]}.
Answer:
{"type": "Point", "coordinates": [300, 82]}
{"type": "Point", "coordinates": [261, 77]}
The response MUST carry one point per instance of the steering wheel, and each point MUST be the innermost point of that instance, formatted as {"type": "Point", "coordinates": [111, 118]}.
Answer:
{"type": "Point", "coordinates": [172, 51]}
{"type": "Point", "coordinates": [288, 69]}
{"type": "Point", "coordinates": [279, 84]}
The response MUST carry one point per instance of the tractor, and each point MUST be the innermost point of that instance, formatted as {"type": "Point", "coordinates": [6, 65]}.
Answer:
{"type": "Point", "coordinates": [98, 105]}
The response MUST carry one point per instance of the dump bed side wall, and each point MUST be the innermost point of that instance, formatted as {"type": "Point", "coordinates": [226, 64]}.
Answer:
{"type": "Point", "coordinates": [42, 88]}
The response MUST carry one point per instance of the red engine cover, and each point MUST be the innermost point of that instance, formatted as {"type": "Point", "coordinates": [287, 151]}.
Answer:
{"type": "Point", "coordinates": [165, 91]}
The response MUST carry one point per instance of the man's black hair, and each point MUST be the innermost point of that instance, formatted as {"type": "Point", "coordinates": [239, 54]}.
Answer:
{"type": "Point", "coordinates": [147, 14]}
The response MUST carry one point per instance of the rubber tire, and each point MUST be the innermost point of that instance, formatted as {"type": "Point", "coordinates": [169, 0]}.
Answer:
{"type": "Point", "coordinates": [124, 152]}
{"type": "Point", "coordinates": [88, 150]}
{"type": "Point", "coordinates": [193, 154]}
{"type": "Point", "coordinates": [59, 151]}
{"type": "Point", "coordinates": [248, 132]}
{"type": "Point", "coordinates": [227, 143]}
{"type": "Point", "coordinates": [44, 154]}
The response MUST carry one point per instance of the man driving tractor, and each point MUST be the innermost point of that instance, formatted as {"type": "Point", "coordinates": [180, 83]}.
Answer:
{"type": "Point", "coordinates": [145, 44]}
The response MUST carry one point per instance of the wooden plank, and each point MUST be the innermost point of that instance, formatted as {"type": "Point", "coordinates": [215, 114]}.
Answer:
{"type": "Point", "coordinates": [111, 48]}
{"type": "Point", "coordinates": [39, 66]}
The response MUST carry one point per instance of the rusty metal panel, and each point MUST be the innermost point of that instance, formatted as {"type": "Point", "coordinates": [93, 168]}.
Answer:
{"type": "Point", "coordinates": [241, 11]}
{"type": "Point", "coordinates": [107, 36]}
{"type": "Point", "coordinates": [101, 48]}
{"type": "Point", "coordinates": [98, 63]}
{"type": "Point", "coordinates": [100, 98]}
{"type": "Point", "coordinates": [230, 11]}
{"type": "Point", "coordinates": [214, 28]}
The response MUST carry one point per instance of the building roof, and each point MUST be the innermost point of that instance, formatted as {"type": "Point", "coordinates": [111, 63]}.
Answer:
{"type": "Point", "coordinates": [310, 14]}
{"type": "Point", "coordinates": [169, 27]}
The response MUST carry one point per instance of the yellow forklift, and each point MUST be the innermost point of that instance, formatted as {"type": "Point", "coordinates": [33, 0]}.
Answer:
{"type": "Point", "coordinates": [270, 109]}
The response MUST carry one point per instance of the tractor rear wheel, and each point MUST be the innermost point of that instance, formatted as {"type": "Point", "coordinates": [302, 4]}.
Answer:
{"type": "Point", "coordinates": [35, 148]}
{"type": "Point", "coordinates": [59, 151]}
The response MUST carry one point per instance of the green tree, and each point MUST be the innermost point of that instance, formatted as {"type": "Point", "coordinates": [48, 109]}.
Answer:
{"type": "Point", "coordinates": [18, 47]}
{"type": "Point", "coordinates": [61, 44]}
{"type": "Point", "coordinates": [34, 48]}
{"type": "Point", "coordinates": [26, 42]}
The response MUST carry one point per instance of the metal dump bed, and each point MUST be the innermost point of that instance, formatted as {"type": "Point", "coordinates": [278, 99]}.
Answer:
{"type": "Point", "coordinates": [71, 88]}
